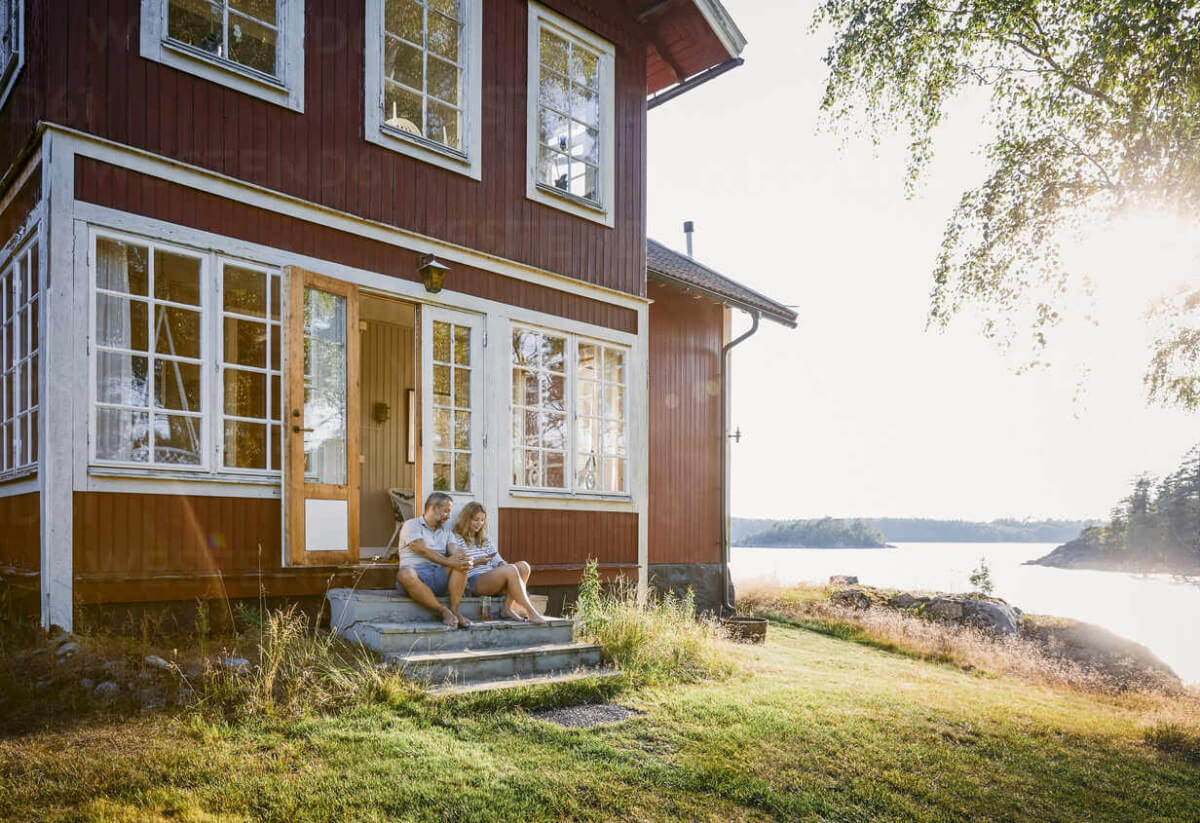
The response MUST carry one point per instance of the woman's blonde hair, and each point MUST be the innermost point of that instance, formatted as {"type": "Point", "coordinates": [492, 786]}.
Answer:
{"type": "Point", "coordinates": [462, 526]}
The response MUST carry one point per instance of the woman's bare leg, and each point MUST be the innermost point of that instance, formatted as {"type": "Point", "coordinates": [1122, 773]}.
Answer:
{"type": "Point", "coordinates": [523, 569]}
{"type": "Point", "coordinates": [507, 579]}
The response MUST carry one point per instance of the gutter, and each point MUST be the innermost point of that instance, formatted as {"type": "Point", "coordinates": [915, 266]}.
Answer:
{"type": "Point", "coordinates": [693, 81]}
{"type": "Point", "coordinates": [728, 609]}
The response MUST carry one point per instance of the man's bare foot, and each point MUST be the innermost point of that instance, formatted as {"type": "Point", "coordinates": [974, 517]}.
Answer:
{"type": "Point", "coordinates": [449, 618]}
{"type": "Point", "coordinates": [508, 614]}
{"type": "Point", "coordinates": [463, 623]}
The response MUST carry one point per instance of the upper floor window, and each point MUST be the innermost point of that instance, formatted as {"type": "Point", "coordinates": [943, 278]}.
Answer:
{"type": "Point", "coordinates": [12, 44]}
{"type": "Point", "coordinates": [254, 46]}
{"type": "Point", "coordinates": [422, 80]}
{"type": "Point", "coordinates": [244, 31]}
{"type": "Point", "coordinates": [570, 116]}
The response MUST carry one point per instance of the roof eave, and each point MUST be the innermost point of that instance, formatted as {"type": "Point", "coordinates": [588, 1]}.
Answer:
{"type": "Point", "coordinates": [783, 318]}
{"type": "Point", "coordinates": [722, 24]}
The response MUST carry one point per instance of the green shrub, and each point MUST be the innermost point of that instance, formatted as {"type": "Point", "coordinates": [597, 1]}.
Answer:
{"type": "Point", "coordinates": [660, 641]}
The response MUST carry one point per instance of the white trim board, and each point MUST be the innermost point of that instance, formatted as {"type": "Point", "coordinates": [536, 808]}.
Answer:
{"type": "Point", "coordinates": [86, 145]}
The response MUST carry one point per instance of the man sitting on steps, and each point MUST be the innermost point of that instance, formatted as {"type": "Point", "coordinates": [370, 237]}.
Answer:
{"type": "Point", "coordinates": [427, 571]}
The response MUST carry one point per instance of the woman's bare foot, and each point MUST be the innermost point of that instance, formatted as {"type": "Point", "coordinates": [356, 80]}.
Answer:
{"type": "Point", "coordinates": [449, 618]}
{"type": "Point", "coordinates": [509, 614]}
{"type": "Point", "coordinates": [463, 623]}
{"type": "Point", "coordinates": [536, 619]}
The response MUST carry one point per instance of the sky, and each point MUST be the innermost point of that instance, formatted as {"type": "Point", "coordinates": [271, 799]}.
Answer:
{"type": "Point", "coordinates": [862, 411]}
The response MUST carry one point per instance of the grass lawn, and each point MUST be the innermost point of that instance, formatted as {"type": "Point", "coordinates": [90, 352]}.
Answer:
{"type": "Point", "coordinates": [813, 728]}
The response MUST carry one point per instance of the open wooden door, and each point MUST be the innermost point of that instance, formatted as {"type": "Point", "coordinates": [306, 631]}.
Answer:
{"type": "Point", "coordinates": [320, 491]}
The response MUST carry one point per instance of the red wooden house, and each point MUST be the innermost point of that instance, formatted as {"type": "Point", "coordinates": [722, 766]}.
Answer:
{"type": "Point", "coordinates": [265, 260]}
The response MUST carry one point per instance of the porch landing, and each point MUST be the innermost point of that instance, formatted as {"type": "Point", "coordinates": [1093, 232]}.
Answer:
{"type": "Point", "coordinates": [489, 654]}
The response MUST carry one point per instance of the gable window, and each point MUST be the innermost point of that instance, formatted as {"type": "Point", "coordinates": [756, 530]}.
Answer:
{"type": "Point", "coordinates": [19, 360]}
{"type": "Point", "coordinates": [255, 46]}
{"type": "Point", "coordinates": [185, 359]}
{"type": "Point", "coordinates": [570, 116]}
{"type": "Point", "coordinates": [569, 414]}
{"type": "Point", "coordinates": [422, 79]}
{"type": "Point", "coordinates": [12, 44]}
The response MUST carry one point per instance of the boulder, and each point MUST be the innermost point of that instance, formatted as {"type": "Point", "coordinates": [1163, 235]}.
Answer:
{"type": "Point", "coordinates": [994, 616]}
{"type": "Point", "coordinates": [1100, 650]}
{"type": "Point", "coordinates": [843, 580]}
{"type": "Point", "coordinates": [235, 663]}
{"type": "Point", "coordinates": [851, 599]}
{"type": "Point", "coordinates": [907, 600]}
{"type": "Point", "coordinates": [107, 690]}
{"type": "Point", "coordinates": [944, 608]}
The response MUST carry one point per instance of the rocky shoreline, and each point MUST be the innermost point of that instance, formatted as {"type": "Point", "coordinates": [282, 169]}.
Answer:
{"type": "Point", "coordinates": [1087, 645]}
{"type": "Point", "coordinates": [1081, 553]}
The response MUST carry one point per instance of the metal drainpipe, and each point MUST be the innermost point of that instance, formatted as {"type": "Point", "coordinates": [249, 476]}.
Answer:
{"type": "Point", "coordinates": [726, 600]}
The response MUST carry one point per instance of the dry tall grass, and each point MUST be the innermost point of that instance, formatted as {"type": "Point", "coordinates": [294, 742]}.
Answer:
{"type": "Point", "coordinates": [660, 641]}
{"type": "Point", "coordinates": [966, 647]}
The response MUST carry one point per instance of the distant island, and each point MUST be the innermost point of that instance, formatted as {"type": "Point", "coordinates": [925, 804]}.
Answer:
{"type": "Point", "coordinates": [876, 532]}
{"type": "Point", "coordinates": [1156, 528]}
{"type": "Point", "coordinates": [826, 533]}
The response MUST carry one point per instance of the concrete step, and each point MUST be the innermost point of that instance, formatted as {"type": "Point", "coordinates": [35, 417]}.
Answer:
{"type": "Point", "coordinates": [350, 606]}
{"type": "Point", "coordinates": [428, 636]}
{"type": "Point", "coordinates": [452, 689]}
{"type": "Point", "coordinates": [471, 666]}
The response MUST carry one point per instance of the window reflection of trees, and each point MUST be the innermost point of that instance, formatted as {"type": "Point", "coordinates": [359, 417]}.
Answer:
{"type": "Point", "coordinates": [324, 387]}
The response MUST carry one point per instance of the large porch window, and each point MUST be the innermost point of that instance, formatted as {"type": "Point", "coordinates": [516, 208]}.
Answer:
{"type": "Point", "coordinates": [185, 359]}
{"type": "Point", "coordinates": [569, 413]}
{"type": "Point", "coordinates": [19, 360]}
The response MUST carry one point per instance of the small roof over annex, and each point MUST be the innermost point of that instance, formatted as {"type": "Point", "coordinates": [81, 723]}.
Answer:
{"type": "Point", "coordinates": [684, 272]}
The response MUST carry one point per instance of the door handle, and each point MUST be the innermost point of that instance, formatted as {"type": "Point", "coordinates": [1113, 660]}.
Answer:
{"type": "Point", "coordinates": [297, 429]}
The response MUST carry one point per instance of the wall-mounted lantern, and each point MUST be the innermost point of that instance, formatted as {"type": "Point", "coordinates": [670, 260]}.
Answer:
{"type": "Point", "coordinates": [433, 273]}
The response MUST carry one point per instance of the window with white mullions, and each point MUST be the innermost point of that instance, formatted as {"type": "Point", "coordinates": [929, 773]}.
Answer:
{"type": "Point", "coordinates": [245, 32]}
{"type": "Point", "coordinates": [19, 360]}
{"type": "Point", "coordinates": [250, 367]}
{"type": "Point", "coordinates": [569, 150]}
{"type": "Point", "coordinates": [452, 407]}
{"type": "Point", "coordinates": [539, 403]}
{"type": "Point", "coordinates": [423, 61]}
{"type": "Point", "coordinates": [12, 44]}
{"type": "Point", "coordinates": [600, 419]}
{"type": "Point", "coordinates": [148, 355]}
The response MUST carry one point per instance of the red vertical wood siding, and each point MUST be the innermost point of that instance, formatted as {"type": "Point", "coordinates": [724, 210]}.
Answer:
{"type": "Point", "coordinates": [83, 70]}
{"type": "Point", "coordinates": [545, 537]}
{"type": "Point", "coordinates": [24, 201]}
{"type": "Point", "coordinates": [118, 188]}
{"type": "Point", "coordinates": [685, 427]}
{"type": "Point", "coordinates": [20, 532]}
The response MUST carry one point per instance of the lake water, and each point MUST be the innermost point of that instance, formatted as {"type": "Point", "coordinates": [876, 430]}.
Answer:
{"type": "Point", "coordinates": [1158, 611]}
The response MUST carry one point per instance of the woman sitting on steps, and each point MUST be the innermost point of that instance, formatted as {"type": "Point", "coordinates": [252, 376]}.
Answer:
{"type": "Point", "coordinates": [489, 574]}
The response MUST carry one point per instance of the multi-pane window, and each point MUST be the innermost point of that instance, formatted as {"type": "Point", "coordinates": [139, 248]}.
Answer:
{"type": "Point", "coordinates": [568, 115]}
{"type": "Point", "coordinates": [600, 418]}
{"type": "Point", "coordinates": [250, 366]}
{"type": "Point", "coordinates": [245, 32]}
{"type": "Point", "coordinates": [10, 42]}
{"type": "Point", "coordinates": [451, 407]}
{"type": "Point", "coordinates": [185, 353]}
{"type": "Point", "coordinates": [557, 378]}
{"type": "Point", "coordinates": [539, 378]}
{"type": "Point", "coordinates": [19, 360]}
{"type": "Point", "coordinates": [148, 354]}
{"type": "Point", "coordinates": [423, 61]}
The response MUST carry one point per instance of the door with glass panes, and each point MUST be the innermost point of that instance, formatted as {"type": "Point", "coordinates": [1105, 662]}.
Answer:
{"type": "Point", "coordinates": [452, 405]}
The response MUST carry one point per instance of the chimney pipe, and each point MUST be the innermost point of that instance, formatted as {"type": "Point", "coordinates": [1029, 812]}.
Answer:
{"type": "Point", "coordinates": [688, 228]}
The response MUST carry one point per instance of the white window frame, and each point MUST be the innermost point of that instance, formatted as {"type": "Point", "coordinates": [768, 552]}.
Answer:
{"type": "Point", "coordinates": [212, 386]}
{"type": "Point", "coordinates": [601, 211]}
{"type": "Point", "coordinates": [571, 374]}
{"type": "Point", "coordinates": [284, 88]}
{"type": "Point", "coordinates": [26, 348]}
{"type": "Point", "coordinates": [10, 72]}
{"type": "Point", "coordinates": [467, 161]}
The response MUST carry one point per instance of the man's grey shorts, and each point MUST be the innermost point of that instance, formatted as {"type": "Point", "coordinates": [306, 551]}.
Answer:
{"type": "Point", "coordinates": [432, 575]}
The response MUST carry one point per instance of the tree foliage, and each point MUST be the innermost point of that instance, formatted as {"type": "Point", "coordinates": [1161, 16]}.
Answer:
{"type": "Point", "coordinates": [1095, 108]}
{"type": "Point", "coordinates": [826, 533]}
{"type": "Point", "coordinates": [1158, 522]}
